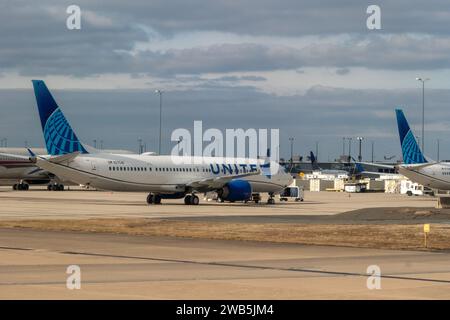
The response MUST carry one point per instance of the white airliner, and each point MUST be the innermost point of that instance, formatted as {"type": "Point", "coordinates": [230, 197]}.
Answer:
{"type": "Point", "coordinates": [234, 179]}
{"type": "Point", "coordinates": [435, 175]}
{"type": "Point", "coordinates": [17, 170]}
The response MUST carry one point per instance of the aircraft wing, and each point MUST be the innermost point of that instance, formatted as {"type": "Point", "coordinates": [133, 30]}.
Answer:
{"type": "Point", "coordinates": [218, 182]}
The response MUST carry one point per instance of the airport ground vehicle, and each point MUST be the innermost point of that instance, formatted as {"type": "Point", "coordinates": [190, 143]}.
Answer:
{"type": "Point", "coordinates": [414, 189]}
{"type": "Point", "coordinates": [292, 193]}
{"type": "Point", "coordinates": [353, 187]}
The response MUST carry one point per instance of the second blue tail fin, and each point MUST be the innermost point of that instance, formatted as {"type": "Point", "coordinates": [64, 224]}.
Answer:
{"type": "Point", "coordinates": [313, 160]}
{"type": "Point", "coordinates": [410, 149]}
{"type": "Point", "coordinates": [59, 136]}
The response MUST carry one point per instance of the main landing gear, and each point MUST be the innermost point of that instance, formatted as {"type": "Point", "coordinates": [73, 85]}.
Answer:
{"type": "Point", "coordinates": [153, 199]}
{"type": "Point", "coordinates": [55, 187]}
{"type": "Point", "coordinates": [271, 200]}
{"type": "Point", "coordinates": [191, 199]}
{"type": "Point", "coordinates": [21, 186]}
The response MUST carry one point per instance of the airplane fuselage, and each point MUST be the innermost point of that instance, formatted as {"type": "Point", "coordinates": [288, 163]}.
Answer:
{"type": "Point", "coordinates": [435, 176]}
{"type": "Point", "coordinates": [15, 168]}
{"type": "Point", "coordinates": [161, 174]}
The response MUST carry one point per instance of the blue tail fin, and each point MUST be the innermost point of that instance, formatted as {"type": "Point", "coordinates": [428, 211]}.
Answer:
{"type": "Point", "coordinates": [359, 167]}
{"type": "Point", "coordinates": [59, 136]}
{"type": "Point", "coordinates": [410, 149]}
{"type": "Point", "coordinates": [313, 160]}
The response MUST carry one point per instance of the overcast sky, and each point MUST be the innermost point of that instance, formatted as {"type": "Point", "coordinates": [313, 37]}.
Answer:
{"type": "Point", "coordinates": [311, 69]}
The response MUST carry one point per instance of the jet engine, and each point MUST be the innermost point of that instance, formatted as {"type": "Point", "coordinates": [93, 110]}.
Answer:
{"type": "Point", "coordinates": [236, 190]}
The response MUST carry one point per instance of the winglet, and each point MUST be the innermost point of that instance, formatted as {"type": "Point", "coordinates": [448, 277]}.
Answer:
{"type": "Point", "coordinates": [32, 157]}
{"type": "Point", "coordinates": [31, 152]}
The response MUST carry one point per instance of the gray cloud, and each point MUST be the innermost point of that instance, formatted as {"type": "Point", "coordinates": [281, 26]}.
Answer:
{"type": "Point", "coordinates": [285, 18]}
{"type": "Point", "coordinates": [342, 71]}
{"type": "Point", "coordinates": [239, 78]}
{"type": "Point", "coordinates": [36, 42]}
{"type": "Point", "coordinates": [397, 52]}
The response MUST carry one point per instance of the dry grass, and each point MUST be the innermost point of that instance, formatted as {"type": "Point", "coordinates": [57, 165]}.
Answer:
{"type": "Point", "coordinates": [392, 236]}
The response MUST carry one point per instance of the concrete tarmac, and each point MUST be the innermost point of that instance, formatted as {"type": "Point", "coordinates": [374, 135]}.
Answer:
{"type": "Point", "coordinates": [38, 203]}
{"type": "Point", "coordinates": [33, 265]}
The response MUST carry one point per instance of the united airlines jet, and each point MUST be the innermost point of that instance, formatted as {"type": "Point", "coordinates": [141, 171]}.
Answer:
{"type": "Point", "coordinates": [435, 175]}
{"type": "Point", "coordinates": [163, 177]}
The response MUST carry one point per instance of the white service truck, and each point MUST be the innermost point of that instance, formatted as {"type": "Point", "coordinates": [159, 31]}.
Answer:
{"type": "Point", "coordinates": [292, 192]}
{"type": "Point", "coordinates": [414, 189]}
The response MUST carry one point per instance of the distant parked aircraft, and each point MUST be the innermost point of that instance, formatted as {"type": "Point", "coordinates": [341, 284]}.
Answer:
{"type": "Point", "coordinates": [435, 175]}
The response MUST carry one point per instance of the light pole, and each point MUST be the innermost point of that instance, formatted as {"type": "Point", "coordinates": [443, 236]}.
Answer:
{"type": "Point", "coordinates": [160, 92]}
{"type": "Point", "coordinates": [423, 111]}
{"type": "Point", "coordinates": [372, 149]}
{"type": "Point", "coordinates": [349, 149]}
{"type": "Point", "coordinates": [360, 139]}
{"type": "Point", "coordinates": [317, 151]}
{"type": "Point", "coordinates": [437, 150]}
{"type": "Point", "coordinates": [291, 139]}
{"type": "Point", "coordinates": [140, 145]}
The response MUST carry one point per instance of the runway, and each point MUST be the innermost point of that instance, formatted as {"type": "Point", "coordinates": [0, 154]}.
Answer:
{"type": "Point", "coordinates": [33, 265]}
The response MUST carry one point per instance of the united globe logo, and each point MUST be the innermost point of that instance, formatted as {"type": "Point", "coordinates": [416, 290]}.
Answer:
{"type": "Point", "coordinates": [59, 136]}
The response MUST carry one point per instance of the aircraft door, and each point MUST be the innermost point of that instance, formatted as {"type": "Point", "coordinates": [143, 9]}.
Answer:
{"type": "Point", "coordinates": [93, 165]}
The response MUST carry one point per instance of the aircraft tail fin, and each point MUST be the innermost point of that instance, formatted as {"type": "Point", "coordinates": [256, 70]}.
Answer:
{"type": "Point", "coordinates": [313, 160]}
{"type": "Point", "coordinates": [58, 134]}
{"type": "Point", "coordinates": [410, 149]}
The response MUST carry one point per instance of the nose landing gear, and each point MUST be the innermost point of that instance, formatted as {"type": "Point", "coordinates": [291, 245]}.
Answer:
{"type": "Point", "coordinates": [153, 199]}
{"type": "Point", "coordinates": [271, 200]}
